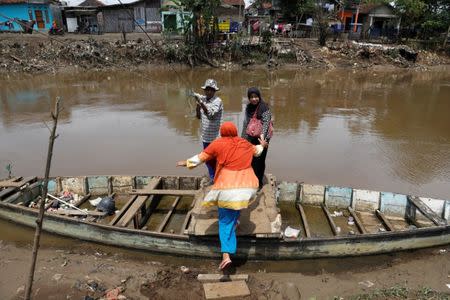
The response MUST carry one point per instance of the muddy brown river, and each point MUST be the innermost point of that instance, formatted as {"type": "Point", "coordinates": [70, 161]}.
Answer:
{"type": "Point", "coordinates": [381, 130]}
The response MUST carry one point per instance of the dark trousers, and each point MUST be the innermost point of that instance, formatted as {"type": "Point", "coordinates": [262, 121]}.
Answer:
{"type": "Point", "coordinates": [211, 165]}
{"type": "Point", "coordinates": [259, 163]}
{"type": "Point", "coordinates": [259, 166]}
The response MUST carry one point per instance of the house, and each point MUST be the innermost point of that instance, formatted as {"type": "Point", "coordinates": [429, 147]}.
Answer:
{"type": "Point", "coordinates": [173, 17]}
{"type": "Point", "coordinates": [370, 20]}
{"type": "Point", "coordinates": [230, 15]}
{"type": "Point", "coordinates": [137, 16]}
{"type": "Point", "coordinates": [42, 12]}
{"type": "Point", "coordinates": [83, 18]}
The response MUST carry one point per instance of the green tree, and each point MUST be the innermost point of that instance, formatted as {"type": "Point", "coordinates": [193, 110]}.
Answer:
{"type": "Point", "coordinates": [201, 27]}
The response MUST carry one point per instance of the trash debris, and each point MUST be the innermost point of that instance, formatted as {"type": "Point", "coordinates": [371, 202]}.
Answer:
{"type": "Point", "coordinates": [95, 202]}
{"type": "Point", "coordinates": [93, 285]}
{"type": "Point", "coordinates": [381, 229]}
{"type": "Point", "coordinates": [366, 283]}
{"type": "Point", "coordinates": [291, 232]}
{"type": "Point", "coordinates": [351, 221]}
{"type": "Point", "coordinates": [442, 251]}
{"type": "Point", "coordinates": [337, 214]}
{"type": "Point", "coordinates": [338, 229]}
{"type": "Point", "coordinates": [64, 263]}
{"type": "Point", "coordinates": [185, 269]}
{"type": "Point", "coordinates": [448, 285]}
{"type": "Point", "coordinates": [113, 294]}
{"type": "Point", "coordinates": [107, 205]}
{"type": "Point", "coordinates": [276, 225]}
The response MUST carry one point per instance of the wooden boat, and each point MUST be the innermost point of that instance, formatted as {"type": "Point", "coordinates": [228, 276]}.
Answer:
{"type": "Point", "coordinates": [163, 214]}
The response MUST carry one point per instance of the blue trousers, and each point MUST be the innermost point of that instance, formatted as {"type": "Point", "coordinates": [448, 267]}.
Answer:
{"type": "Point", "coordinates": [211, 165]}
{"type": "Point", "coordinates": [227, 229]}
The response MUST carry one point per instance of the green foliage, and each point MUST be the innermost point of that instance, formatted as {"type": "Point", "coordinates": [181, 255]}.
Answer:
{"type": "Point", "coordinates": [267, 40]}
{"type": "Point", "coordinates": [432, 17]}
{"type": "Point", "coordinates": [291, 8]}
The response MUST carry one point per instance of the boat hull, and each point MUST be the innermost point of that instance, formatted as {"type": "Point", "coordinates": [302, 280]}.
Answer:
{"type": "Point", "coordinates": [248, 247]}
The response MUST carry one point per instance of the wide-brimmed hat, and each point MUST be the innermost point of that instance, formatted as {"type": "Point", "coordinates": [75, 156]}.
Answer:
{"type": "Point", "coordinates": [211, 83]}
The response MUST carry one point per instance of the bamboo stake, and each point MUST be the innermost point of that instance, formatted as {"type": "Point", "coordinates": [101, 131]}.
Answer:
{"type": "Point", "coordinates": [39, 221]}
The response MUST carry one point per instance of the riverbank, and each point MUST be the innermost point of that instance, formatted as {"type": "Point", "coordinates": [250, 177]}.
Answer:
{"type": "Point", "coordinates": [88, 270]}
{"type": "Point", "coordinates": [43, 54]}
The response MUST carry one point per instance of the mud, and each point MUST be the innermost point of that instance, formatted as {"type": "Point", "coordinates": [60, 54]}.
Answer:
{"type": "Point", "coordinates": [64, 273]}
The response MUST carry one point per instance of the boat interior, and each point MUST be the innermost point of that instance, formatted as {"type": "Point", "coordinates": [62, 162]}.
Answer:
{"type": "Point", "coordinates": [172, 205]}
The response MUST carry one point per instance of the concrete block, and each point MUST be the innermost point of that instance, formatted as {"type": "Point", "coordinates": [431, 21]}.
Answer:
{"type": "Point", "coordinates": [226, 289]}
{"type": "Point", "coordinates": [221, 277]}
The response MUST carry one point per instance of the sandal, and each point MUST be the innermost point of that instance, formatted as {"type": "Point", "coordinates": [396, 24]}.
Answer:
{"type": "Point", "coordinates": [224, 264]}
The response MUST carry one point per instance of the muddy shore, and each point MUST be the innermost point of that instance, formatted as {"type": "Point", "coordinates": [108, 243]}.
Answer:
{"type": "Point", "coordinates": [43, 54]}
{"type": "Point", "coordinates": [92, 271]}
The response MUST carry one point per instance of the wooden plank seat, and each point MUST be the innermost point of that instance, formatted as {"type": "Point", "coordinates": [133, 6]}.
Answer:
{"type": "Point", "coordinates": [132, 207]}
{"type": "Point", "coordinates": [74, 212]}
{"type": "Point", "coordinates": [16, 182]}
{"type": "Point", "coordinates": [7, 192]}
{"type": "Point", "coordinates": [164, 192]}
{"type": "Point", "coordinates": [425, 210]}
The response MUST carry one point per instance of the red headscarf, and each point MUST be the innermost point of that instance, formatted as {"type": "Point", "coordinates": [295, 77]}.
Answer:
{"type": "Point", "coordinates": [231, 151]}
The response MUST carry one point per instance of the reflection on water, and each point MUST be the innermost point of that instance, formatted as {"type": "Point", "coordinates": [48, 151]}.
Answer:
{"type": "Point", "coordinates": [378, 130]}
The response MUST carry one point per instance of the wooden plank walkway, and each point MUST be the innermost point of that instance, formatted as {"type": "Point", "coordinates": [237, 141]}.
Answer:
{"type": "Point", "coordinates": [256, 220]}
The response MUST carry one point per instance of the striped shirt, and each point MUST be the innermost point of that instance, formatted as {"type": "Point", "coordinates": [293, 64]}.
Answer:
{"type": "Point", "coordinates": [212, 120]}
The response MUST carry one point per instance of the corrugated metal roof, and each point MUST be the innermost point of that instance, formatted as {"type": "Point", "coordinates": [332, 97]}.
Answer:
{"type": "Point", "coordinates": [234, 2]}
{"type": "Point", "coordinates": [92, 3]}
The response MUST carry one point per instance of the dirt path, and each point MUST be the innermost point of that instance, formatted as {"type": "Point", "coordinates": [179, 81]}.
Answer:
{"type": "Point", "coordinates": [80, 274]}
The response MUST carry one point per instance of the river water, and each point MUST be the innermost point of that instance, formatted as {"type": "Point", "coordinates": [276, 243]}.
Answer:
{"type": "Point", "coordinates": [380, 130]}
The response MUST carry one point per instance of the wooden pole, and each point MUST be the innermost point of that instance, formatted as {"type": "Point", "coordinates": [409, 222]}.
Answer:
{"type": "Point", "coordinates": [37, 234]}
{"type": "Point", "coordinates": [447, 37]}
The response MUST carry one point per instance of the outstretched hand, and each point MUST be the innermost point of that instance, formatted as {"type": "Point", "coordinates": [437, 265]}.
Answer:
{"type": "Point", "coordinates": [181, 163]}
{"type": "Point", "coordinates": [262, 141]}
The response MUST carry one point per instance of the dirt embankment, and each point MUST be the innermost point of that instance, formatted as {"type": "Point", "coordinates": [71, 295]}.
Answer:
{"type": "Point", "coordinates": [88, 272]}
{"type": "Point", "coordinates": [38, 54]}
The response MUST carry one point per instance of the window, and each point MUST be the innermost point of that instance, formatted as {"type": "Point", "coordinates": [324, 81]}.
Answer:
{"type": "Point", "coordinates": [47, 19]}
{"type": "Point", "coordinates": [30, 14]}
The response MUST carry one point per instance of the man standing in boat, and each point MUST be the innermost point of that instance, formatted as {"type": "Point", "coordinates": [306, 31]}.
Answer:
{"type": "Point", "coordinates": [210, 112]}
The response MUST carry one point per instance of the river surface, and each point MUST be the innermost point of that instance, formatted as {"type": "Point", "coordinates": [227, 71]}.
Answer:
{"type": "Point", "coordinates": [380, 130]}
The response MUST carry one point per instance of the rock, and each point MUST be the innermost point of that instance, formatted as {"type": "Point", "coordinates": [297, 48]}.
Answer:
{"type": "Point", "coordinates": [113, 294]}
{"type": "Point", "coordinates": [20, 290]}
{"type": "Point", "coordinates": [57, 277]}
{"type": "Point", "coordinates": [291, 292]}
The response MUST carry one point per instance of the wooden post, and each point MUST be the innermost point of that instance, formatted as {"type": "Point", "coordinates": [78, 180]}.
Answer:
{"type": "Point", "coordinates": [40, 218]}
{"type": "Point", "coordinates": [447, 37]}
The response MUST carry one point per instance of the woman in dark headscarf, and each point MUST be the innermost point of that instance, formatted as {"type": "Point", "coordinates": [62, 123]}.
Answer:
{"type": "Point", "coordinates": [259, 109]}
